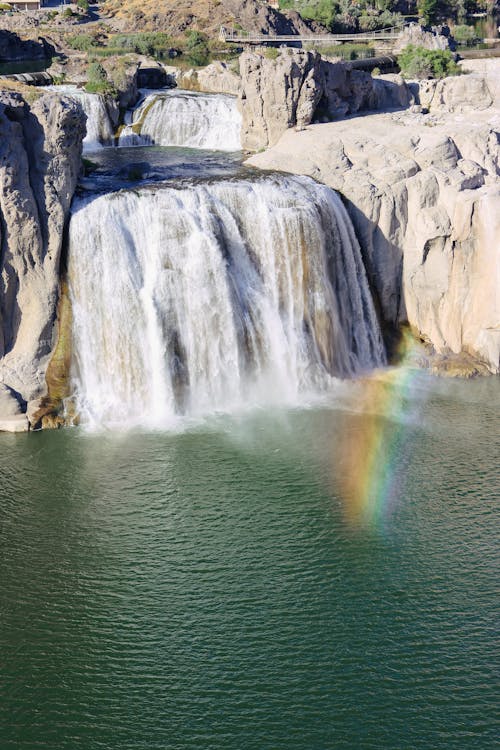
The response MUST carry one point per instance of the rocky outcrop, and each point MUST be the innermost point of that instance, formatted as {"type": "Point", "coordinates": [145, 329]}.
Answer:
{"type": "Point", "coordinates": [425, 202]}
{"type": "Point", "coordinates": [277, 94]}
{"type": "Point", "coordinates": [434, 38]}
{"type": "Point", "coordinates": [261, 18]}
{"type": "Point", "coordinates": [298, 87]}
{"type": "Point", "coordinates": [122, 74]}
{"type": "Point", "coordinates": [40, 157]}
{"type": "Point", "coordinates": [13, 48]}
{"type": "Point", "coordinates": [216, 78]}
{"type": "Point", "coordinates": [458, 94]}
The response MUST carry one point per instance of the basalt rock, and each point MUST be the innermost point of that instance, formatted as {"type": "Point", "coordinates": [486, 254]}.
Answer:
{"type": "Point", "coordinates": [425, 202]}
{"type": "Point", "coordinates": [298, 87]}
{"type": "Point", "coordinates": [433, 38]}
{"type": "Point", "coordinates": [40, 157]}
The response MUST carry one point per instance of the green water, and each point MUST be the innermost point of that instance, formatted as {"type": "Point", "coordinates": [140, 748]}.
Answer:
{"type": "Point", "coordinates": [213, 589]}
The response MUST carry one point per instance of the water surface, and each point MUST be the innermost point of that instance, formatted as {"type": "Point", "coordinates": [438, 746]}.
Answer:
{"type": "Point", "coordinates": [225, 587]}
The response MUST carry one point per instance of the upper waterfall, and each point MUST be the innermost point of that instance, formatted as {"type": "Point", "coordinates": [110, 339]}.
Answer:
{"type": "Point", "coordinates": [100, 131]}
{"type": "Point", "coordinates": [210, 295]}
{"type": "Point", "coordinates": [182, 118]}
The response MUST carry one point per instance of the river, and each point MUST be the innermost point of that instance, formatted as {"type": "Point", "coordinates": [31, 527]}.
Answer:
{"type": "Point", "coordinates": [227, 585]}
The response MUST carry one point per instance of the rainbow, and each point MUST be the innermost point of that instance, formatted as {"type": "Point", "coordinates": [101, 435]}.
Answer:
{"type": "Point", "coordinates": [371, 459]}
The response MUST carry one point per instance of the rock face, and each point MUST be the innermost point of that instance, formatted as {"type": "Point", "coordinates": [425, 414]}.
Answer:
{"type": "Point", "coordinates": [298, 86]}
{"type": "Point", "coordinates": [13, 48]}
{"type": "Point", "coordinates": [216, 78]}
{"type": "Point", "coordinates": [40, 157]}
{"type": "Point", "coordinates": [437, 37]}
{"type": "Point", "coordinates": [277, 94]}
{"type": "Point", "coordinates": [461, 94]}
{"type": "Point", "coordinates": [261, 18]}
{"type": "Point", "coordinates": [425, 202]}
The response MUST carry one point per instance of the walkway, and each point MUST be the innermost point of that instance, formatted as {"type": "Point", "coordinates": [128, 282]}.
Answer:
{"type": "Point", "coordinates": [247, 37]}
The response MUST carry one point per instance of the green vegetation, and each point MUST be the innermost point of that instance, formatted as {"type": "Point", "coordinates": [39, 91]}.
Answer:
{"type": "Point", "coordinates": [83, 5]}
{"type": "Point", "coordinates": [341, 16]}
{"type": "Point", "coordinates": [83, 42]}
{"type": "Point", "coordinates": [417, 62]}
{"type": "Point", "coordinates": [346, 51]}
{"type": "Point", "coordinates": [197, 50]}
{"type": "Point", "coordinates": [465, 35]}
{"type": "Point", "coordinates": [271, 53]}
{"type": "Point", "coordinates": [350, 16]}
{"type": "Point", "coordinates": [97, 80]}
{"type": "Point", "coordinates": [154, 44]}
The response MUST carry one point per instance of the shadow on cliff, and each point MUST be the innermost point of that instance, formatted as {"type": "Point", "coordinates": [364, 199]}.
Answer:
{"type": "Point", "coordinates": [383, 261]}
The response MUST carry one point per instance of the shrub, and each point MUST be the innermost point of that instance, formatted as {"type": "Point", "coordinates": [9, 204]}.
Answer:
{"type": "Point", "coordinates": [83, 5]}
{"type": "Point", "coordinates": [271, 53]}
{"type": "Point", "coordinates": [82, 42]}
{"type": "Point", "coordinates": [97, 80]}
{"type": "Point", "coordinates": [197, 48]}
{"type": "Point", "coordinates": [464, 34]}
{"type": "Point", "coordinates": [67, 13]}
{"type": "Point", "coordinates": [153, 43]}
{"type": "Point", "coordinates": [417, 62]}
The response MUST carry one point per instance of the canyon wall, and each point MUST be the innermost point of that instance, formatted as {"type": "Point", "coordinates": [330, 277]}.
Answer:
{"type": "Point", "coordinates": [425, 201]}
{"type": "Point", "coordinates": [40, 158]}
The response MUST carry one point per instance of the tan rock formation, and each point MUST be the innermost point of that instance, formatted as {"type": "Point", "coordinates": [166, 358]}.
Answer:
{"type": "Point", "coordinates": [40, 152]}
{"type": "Point", "coordinates": [436, 38]}
{"type": "Point", "coordinates": [425, 202]}
{"type": "Point", "coordinates": [277, 94]}
{"type": "Point", "coordinates": [299, 86]}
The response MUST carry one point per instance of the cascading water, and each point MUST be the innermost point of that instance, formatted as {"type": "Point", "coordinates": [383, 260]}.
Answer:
{"type": "Point", "coordinates": [211, 295]}
{"type": "Point", "coordinates": [182, 118]}
{"type": "Point", "coordinates": [100, 132]}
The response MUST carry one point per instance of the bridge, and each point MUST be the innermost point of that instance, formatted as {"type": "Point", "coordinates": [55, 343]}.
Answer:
{"type": "Point", "coordinates": [233, 36]}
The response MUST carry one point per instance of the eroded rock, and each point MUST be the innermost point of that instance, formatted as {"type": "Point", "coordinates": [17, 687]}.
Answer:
{"type": "Point", "coordinates": [40, 157]}
{"type": "Point", "coordinates": [425, 203]}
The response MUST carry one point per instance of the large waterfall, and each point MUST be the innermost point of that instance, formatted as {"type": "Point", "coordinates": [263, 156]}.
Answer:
{"type": "Point", "coordinates": [182, 118]}
{"type": "Point", "coordinates": [212, 295]}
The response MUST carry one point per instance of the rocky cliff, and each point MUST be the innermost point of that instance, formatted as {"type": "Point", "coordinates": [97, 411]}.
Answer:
{"type": "Point", "coordinates": [296, 87]}
{"type": "Point", "coordinates": [424, 195]}
{"type": "Point", "coordinates": [13, 48]}
{"type": "Point", "coordinates": [40, 157]}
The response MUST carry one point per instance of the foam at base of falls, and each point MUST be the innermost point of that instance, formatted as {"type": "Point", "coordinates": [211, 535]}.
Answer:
{"type": "Point", "coordinates": [205, 297]}
{"type": "Point", "coordinates": [180, 118]}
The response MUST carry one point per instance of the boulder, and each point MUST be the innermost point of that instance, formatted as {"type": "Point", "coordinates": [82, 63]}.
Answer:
{"type": "Point", "coordinates": [465, 93]}
{"type": "Point", "coordinates": [218, 78]}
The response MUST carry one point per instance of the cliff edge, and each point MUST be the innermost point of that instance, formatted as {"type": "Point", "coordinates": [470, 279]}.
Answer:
{"type": "Point", "coordinates": [40, 158]}
{"type": "Point", "coordinates": [423, 192]}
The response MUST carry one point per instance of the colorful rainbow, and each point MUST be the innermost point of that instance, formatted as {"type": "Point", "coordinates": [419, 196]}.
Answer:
{"type": "Point", "coordinates": [371, 458]}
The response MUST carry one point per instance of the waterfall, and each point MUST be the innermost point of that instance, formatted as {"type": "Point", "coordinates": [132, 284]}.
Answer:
{"type": "Point", "coordinates": [100, 130]}
{"type": "Point", "coordinates": [212, 295]}
{"type": "Point", "coordinates": [182, 118]}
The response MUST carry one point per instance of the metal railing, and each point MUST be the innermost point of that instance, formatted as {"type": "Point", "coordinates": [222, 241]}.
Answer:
{"type": "Point", "coordinates": [234, 36]}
